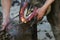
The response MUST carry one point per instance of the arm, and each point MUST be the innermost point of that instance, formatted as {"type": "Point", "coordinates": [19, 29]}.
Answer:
{"type": "Point", "coordinates": [47, 4]}
{"type": "Point", "coordinates": [6, 4]}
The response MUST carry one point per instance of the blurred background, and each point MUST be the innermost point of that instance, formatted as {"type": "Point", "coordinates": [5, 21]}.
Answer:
{"type": "Point", "coordinates": [44, 31]}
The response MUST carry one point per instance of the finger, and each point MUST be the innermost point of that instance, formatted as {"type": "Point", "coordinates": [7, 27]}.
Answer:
{"type": "Point", "coordinates": [39, 17]}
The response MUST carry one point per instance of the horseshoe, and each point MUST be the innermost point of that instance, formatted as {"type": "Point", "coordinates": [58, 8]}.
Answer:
{"type": "Point", "coordinates": [30, 16]}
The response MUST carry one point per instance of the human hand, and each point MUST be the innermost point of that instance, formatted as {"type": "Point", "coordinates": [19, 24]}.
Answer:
{"type": "Point", "coordinates": [41, 12]}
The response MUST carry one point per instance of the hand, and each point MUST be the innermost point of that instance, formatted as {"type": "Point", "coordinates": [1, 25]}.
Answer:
{"type": "Point", "coordinates": [41, 12]}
